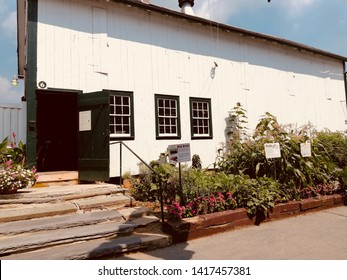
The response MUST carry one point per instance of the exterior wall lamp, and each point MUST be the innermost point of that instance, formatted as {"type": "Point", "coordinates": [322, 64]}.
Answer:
{"type": "Point", "coordinates": [14, 81]}
{"type": "Point", "coordinates": [213, 70]}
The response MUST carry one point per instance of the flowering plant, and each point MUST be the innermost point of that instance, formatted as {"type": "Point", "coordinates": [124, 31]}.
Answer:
{"type": "Point", "coordinates": [202, 205]}
{"type": "Point", "coordinates": [15, 176]}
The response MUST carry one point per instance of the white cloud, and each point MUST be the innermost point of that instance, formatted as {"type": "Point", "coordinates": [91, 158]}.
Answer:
{"type": "Point", "coordinates": [296, 7]}
{"type": "Point", "coordinates": [217, 10]}
{"type": "Point", "coordinates": [8, 93]}
{"type": "Point", "coordinates": [222, 10]}
{"type": "Point", "coordinates": [9, 25]}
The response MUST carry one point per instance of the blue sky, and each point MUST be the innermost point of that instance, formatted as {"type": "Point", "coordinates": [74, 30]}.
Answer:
{"type": "Point", "coordinates": [317, 23]}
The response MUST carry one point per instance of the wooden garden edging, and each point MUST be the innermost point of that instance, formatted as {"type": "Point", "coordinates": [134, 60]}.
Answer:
{"type": "Point", "coordinates": [203, 225]}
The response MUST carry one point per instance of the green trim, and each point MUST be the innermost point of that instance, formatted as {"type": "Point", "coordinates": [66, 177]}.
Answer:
{"type": "Point", "coordinates": [31, 80]}
{"type": "Point", "coordinates": [132, 113]}
{"type": "Point", "coordinates": [163, 137]}
{"type": "Point", "coordinates": [197, 137]}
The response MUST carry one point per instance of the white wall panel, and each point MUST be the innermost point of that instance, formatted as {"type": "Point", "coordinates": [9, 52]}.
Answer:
{"type": "Point", "coordinates": [93, 45]}
{"type": "Point", "coordinates": [12, 120]}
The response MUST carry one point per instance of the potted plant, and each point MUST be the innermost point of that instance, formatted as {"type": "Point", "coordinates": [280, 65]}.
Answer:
{"type": "Point", "coordinates": [13, 174]}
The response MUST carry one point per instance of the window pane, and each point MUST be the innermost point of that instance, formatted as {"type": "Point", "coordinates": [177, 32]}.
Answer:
{"type": "Point", "coordinates": [167, 116]}
{"type": "Point", "coordinates": [120, 115]}
{"type": "Point", "coordinates": [118, 100]}
{"type": "Point", "coordinates": [200, 118]}
{"type": "Point", "coordinates": [126, 100]}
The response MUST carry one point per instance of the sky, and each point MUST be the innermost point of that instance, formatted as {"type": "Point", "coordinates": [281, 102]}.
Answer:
{"type": "Point", "coordinates": [318, 23]}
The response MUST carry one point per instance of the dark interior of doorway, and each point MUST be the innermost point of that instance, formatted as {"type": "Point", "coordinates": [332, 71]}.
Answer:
{"type": "Point", "coordinates": [57, 130]}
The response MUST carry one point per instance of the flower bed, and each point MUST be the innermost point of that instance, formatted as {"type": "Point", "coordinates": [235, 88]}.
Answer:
{"type": "Point", "coordinates": [203, 225]}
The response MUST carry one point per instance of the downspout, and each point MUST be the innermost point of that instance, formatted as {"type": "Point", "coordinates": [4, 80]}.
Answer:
{"type": "Point", "coordinates": [30, 82]}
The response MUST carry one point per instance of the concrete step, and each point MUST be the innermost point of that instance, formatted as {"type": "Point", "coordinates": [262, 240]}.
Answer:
{"type": "Point", "coordinates": [75, 222]}
{"type": "Point", "coordinates": [59, 222]}
{"type": "Point", "coordinates": [59, 193]}
{"type": "Point", "coordinates": [43, 239]}
{"type": "Point", "coordinates": [24, 242]}
{"type": "Point", "coordinates": [141, 215]}
{"type": "Point", "coordinates": [61, 200]}
{"type": "Point", "coordinates": [97, 249]}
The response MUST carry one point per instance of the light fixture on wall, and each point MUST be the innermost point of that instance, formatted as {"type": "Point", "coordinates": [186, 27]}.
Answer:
{"type": "Point", "coordinates": [14, 81]}
{"type": "Point", "coordinates": [213, 70]}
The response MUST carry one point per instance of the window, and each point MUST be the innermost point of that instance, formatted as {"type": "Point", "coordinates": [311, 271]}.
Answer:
{"type": "Point", "coordinates": [167, 116]}
{"type": "Point", "coordinates": [121, 115]}
{"type": "Point", "coordinates": [200, 115]}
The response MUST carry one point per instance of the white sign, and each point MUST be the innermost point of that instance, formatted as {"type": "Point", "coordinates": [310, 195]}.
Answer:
{"type": "Point", "coordinates": [305, 149]}
{"type": "Point", "coordinates": [179, 153]}
{"type": "Point", "coordinates": [272, 150]}
{"type": "Point", "coordinates": [85, 121]}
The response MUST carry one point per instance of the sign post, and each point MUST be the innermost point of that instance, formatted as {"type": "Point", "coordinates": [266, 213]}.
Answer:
{"type": "Point", "coordinates": [179, 153]}
{"type": "Point", "coordinates": [273, 151]}
{"type": "Point", "coordinates": [305, 149]}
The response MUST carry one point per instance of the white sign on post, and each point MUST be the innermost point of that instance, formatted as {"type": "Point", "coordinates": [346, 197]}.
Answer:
{"type": "Point", "coordinates": [272, 150]}
{"type": "Point", "coordinates": [305, 149]}
{"type": "Point", "coordinates": [179, 153]}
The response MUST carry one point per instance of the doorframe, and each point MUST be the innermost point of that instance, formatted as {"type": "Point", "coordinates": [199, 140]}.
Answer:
{"type": "Point", "coordinates": [61, 92]}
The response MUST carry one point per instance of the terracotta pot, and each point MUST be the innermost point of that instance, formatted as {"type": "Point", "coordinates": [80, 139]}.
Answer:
{"type": "Point", "coordinates": [127, 184]}
{"type": "Point", "coordinates": [9, 190]}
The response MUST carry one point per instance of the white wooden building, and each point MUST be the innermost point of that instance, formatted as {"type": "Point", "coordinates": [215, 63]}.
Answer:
{"type": "Point", "coordinates": [163, 77]}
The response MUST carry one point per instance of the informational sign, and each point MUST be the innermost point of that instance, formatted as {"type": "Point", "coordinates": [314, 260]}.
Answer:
{"type": "Point", "coordinates": [85, 121]}
{"type": "Point", "coordinates": [179, 153]}
{"type": "Point", "coordinates": [305, 149]}
{"type": "Point", "coordinates": [272, 150]}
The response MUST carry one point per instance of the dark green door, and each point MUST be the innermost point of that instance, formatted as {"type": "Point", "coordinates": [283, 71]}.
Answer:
{"type": "Point", "coordinates": [94, 112]}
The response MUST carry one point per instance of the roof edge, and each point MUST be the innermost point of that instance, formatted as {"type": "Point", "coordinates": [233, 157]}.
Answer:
{"type": "Point", "coordinates": [233, 29]}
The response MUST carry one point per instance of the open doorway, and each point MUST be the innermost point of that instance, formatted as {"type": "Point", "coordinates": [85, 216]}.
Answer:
{"type": "Point", "coordinates": [57, 130]}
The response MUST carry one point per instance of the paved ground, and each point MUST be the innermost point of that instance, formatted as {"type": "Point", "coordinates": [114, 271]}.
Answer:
{"type": "Point", "coordinates": [314, 236]}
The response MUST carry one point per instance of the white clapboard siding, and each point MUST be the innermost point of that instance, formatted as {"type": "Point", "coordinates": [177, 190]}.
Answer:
{"type": "Point", "coordinates": [95, 45]}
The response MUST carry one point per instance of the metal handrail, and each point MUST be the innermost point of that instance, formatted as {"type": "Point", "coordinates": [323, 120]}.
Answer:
{"type": "Point", "coordinates": [148, 166]}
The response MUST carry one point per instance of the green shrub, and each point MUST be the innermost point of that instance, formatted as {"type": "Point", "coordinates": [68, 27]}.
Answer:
{"type": "Point", "coordinates": [146, 187]}
{"type": "Point", "coordinates": [246, 156]}
{"type": "Point", "coordinates": [335, 144]}
{"type": "Point", "coordinates": [259, 196]}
